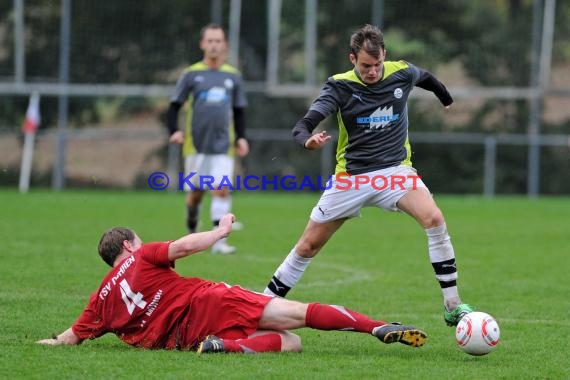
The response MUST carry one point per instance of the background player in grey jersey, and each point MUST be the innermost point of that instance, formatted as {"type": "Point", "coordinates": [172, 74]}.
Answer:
{"type": "Point", "coordinates": [370, 102]}
{"type": "Point", "coordinates": [217, 100]}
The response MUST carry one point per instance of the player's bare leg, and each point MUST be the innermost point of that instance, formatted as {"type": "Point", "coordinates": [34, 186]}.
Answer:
{"type": "Point", "coordinates": [292, 268]}
{"type": "Point", "coordinates": [315, 236]}
{"type": "Point", "coordinates": [420, 205]}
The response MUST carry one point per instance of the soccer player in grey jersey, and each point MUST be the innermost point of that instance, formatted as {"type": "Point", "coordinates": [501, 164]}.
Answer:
{"type": "Point", "coordinates": [374, 165]}
{"type": "Point", "coordinates": [215, 92]}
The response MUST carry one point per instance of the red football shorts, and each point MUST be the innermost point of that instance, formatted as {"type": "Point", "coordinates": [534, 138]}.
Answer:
{"type": "Point", "coordinates": [229, 312]}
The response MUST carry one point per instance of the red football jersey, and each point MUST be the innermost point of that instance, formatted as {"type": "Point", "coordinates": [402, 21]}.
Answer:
{"type": "Point", "coordinates": [142, 300]}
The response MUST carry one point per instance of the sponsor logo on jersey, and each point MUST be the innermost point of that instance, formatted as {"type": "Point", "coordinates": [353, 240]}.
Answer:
{"type": "Point", "coordinates": [398, 93]}
{"type": "Point", "coordinates": [214, 95]}
{"type": "Point", "coordinates": [379, 118]}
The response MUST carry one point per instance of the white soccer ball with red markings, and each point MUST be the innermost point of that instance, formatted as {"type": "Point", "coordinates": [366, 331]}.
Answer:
{"type": "Point", "coordinates": [477, 333]}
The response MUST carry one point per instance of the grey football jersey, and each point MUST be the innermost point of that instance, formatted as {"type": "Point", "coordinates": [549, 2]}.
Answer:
{"type": "Point", "coordinates": [212, 95]}
{"type": "Point", "coordinates": [372, 119]}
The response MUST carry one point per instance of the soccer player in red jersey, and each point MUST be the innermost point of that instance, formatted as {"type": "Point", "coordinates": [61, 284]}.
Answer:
{"type": "Point", "coordinates": [147, 304]}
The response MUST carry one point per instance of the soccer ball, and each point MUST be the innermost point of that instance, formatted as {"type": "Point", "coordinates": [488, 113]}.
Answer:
{"type": "Point", "coordinates": [477, 333]}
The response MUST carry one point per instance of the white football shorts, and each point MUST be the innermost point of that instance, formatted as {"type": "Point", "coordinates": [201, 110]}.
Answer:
{"type": "Point", "coordinates": [381, 188]}
{"type": "Point", "coordinates": [209, 170]}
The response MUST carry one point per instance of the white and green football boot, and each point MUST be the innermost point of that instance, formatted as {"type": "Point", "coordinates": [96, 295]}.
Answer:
{"type": "Point", "coordinates": [453, 317]}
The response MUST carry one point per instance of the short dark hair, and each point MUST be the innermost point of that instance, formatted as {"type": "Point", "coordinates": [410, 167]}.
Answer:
{"type": "Point", "coordinates": [111, 243]}
{"type": "Point", "coordinates": [369, 38]}
{"type": "Point", "coordinates": [211, 26]}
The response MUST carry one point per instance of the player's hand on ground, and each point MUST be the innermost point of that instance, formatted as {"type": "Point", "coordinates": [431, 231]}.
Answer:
{"type": "Point", "coordinates": [317, 140]}
{"type": "Point", "coordinates": [50, 342]}
{"type": "Point", "coordinates": [225, 225]}
{"type": "Point", "coordinates": [177, 138]}
{"type": "Point", "coordinates": [242, 147]}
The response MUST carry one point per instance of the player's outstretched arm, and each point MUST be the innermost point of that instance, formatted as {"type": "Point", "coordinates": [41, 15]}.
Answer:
{"type": "Point", "coordinates": [197, 242]}
{"type": "Point", "coordinates": [66, 337]}
{"type": "Point", "coordinates": [430, 83]}
{"type": "Point", "coordinates": [303, 131]}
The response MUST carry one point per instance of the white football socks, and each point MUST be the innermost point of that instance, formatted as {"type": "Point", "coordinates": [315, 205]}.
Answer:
{"type": "Point", "coordinates": [220, 206]}
{"type": "Point", "coordinates": [287, 274]}
{"type": "Point", "coordinates": [442, 257]}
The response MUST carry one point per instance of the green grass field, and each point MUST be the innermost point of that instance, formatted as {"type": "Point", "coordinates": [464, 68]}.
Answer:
{"type": "Point", "coordinates": [512, 256]}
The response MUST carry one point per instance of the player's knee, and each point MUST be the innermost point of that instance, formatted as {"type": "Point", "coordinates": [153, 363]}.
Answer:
{"type": "Point", "coordinates": [290, 342]}
{"type": "Point", "coordinates": [433, 219]}
{"type": "Point", "coordinates": [308, 248]}
{"type": "Point", "coordinates": [194, 198]}
{"type": "Point", "coordinates": [222, 192]}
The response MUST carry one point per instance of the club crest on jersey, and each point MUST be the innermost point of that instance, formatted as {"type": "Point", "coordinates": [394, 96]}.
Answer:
{"type": "Point", "coordinates": [228, 83]}
{"type": "Point", "coordinates": [379, 118]}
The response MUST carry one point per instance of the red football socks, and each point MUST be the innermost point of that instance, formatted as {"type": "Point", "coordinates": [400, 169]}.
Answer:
{"type": "Point", "coordinates": [332, 317]}
{"type": "Point", "coordinates": [260, 343]}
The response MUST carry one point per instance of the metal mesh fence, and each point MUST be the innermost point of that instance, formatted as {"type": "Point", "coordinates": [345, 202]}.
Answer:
{"type": "Point", "coordinates": [125, 56]}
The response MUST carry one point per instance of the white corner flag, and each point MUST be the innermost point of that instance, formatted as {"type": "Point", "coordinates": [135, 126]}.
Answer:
{"type": "Point", "coordinates": [31, 124]}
